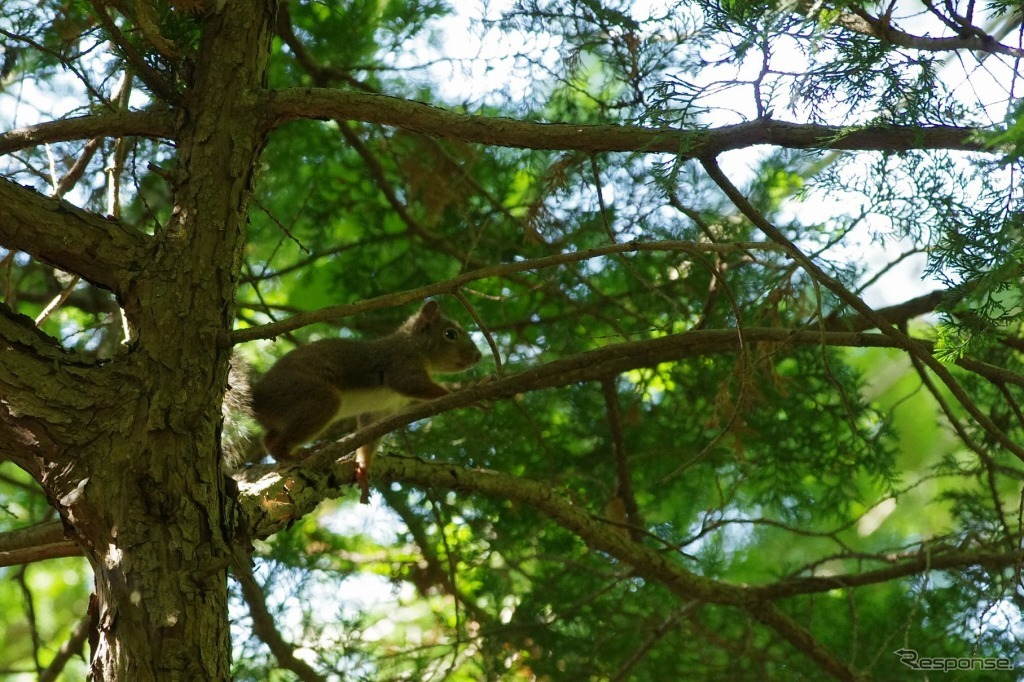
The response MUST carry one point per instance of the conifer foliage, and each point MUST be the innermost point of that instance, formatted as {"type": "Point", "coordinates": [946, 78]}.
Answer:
{"type": "Point", "coordinates": [746, 277]}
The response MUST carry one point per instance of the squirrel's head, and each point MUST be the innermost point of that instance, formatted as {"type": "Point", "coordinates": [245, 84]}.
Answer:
{"type": "Point", "coordinates": [445, 344]}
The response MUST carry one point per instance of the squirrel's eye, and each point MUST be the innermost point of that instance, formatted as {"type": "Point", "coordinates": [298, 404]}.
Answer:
{"type": "Point", "coordinates": [451, 333]}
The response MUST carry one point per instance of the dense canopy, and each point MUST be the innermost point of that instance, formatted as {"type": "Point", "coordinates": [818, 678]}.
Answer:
{"type": "Point", "coordinates": [747, 277]}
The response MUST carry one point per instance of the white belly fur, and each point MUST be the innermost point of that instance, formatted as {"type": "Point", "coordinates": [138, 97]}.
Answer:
{"type": "Point", "coordinates": [361, 401]}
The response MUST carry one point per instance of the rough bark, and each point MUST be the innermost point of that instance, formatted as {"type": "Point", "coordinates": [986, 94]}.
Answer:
{"type": "Point", "coordinates": [128, 449]}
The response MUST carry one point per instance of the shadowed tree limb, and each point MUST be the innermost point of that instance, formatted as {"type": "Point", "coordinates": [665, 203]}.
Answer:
{"type": "Point", "coordinates": [104, 252]}
{"type": "Point", "coordinates": [325, 103]}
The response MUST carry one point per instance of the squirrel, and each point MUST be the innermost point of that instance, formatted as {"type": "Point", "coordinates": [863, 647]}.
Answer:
{"type": "Point", "coordinates": [315, 385]}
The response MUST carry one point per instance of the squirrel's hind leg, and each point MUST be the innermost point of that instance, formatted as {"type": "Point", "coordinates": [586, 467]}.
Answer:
{"type": "Point", "coordinates": [364, 455]}
{"type": "Point", "coordinates": [301, 421]}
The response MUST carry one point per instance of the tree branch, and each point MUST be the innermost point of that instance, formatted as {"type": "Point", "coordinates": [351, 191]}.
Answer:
{"type": "Point", "coordinates": [914, 347]}
{"type": "Point", "coordinates": [593, 365]}
{"type": "Point", "coordinates": [658, 633]}
{"type": "Point", "coordinates": [922, 562]}
{"type": "Point", "coordinates": [70, 648]}
{"type": "Point", "coordinates": [36, 543]}
{"type": "Point", "coordinates": [860, 21]}
{"type": "Point", "coordinates": [104, 252]}
{"type": "Point", "coordinates": [624, 500]}
{"type": "Point", "coordinates": [335, 313]}
{"type": "Point", "coordinates": [651, 563]}
{"type": "Point", "coordinates": [317, 71]}
{"type": "Point", "coordinates": [30, 555]}
{"type": "Point", "coordinates": [895, 314]}
{"type": "Point", "coordinates": [153, 79]}
{"type": "Point", "coordinates": [47, 394]}
{"type": "Point", "coordinates": [137, 123]}
{"type": "Point", "coordinates": [295, 490]}
{"type": "Point", "coordinates": [323, 103]}
{"type": "Point", "coordinates": [797, 635]}
{"type": "Point", "coordinates": [264, 627]}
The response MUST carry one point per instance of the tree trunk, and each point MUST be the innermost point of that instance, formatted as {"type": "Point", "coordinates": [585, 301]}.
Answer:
{"type": "Point", "coordinates": [136, 470]}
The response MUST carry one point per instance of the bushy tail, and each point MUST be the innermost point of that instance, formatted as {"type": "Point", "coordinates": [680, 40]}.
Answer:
{"type": "Point", "coordinates": [236, 443]}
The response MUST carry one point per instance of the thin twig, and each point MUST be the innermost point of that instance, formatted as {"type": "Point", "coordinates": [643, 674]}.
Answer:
{"type": "Point", "coordinates": [623, 477]}
{"type": "Point", "coordinates": [482, 326]}
{"type": "Point", "coordinates": [902, 340]}
{"type": "Point", "coordinates": [263, 623]}
{"type": "Point", "coordinates": [333, 313]}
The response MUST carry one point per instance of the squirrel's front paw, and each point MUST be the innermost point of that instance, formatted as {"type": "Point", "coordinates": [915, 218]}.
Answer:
{"type": "Point", "coordinates": [485, 404]}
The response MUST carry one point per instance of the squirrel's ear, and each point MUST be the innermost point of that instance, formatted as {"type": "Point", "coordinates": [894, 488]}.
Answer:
{"type": "Point", "coordinates": [431, 310]}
